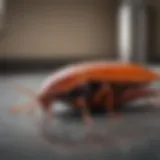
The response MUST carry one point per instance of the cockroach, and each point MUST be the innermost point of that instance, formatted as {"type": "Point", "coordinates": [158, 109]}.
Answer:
{"type": "Point", "coordinates": [109, 83]}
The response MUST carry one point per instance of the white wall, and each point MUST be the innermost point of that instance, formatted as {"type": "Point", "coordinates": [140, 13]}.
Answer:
{"type": "Point", "coordinates": [59, 29]}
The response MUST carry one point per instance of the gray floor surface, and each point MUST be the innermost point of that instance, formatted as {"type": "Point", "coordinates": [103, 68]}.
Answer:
{"type": "Point", "coordinates": [133, 136]}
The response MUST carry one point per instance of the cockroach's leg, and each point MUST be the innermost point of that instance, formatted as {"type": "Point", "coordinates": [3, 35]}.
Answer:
{"type": "Point", "coordinates": [49, 110]}
{"type": "Point", "coordinates": [137, 93]}
{"type": "Point", "coordinates": [50, 113]}
{"type": "Point", "coordinates": [82, 104]}
{"type": "Point", "coordinates": [132, 93]}
{"type": "Point", "coordinates": [46, 103]}
{"type": "Point", "coordinates": [107, 92]}
{"type": "Point", "coordinates": [100, 94]}
{"type": "Point", "coordinates": [109, 101]}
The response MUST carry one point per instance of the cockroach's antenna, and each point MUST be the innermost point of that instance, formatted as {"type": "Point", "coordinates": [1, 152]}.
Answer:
{"type": "Point", "coordinates": [29, 106]}
{"type": "Point", "coordinates": [22, 89]}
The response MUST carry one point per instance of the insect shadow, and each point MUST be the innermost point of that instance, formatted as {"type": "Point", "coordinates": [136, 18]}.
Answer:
{"type": "Point", "coordinates": [101, 112]}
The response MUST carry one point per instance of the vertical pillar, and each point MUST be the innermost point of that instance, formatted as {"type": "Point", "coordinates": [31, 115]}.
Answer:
{"type": "Point", "coordinates": [132, 31]}
{"type": "Point", "coordinates": [2, 13]}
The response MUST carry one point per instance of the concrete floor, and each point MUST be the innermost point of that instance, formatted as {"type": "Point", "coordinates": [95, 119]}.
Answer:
{"type": "Point", "coordinates": [133, 136]}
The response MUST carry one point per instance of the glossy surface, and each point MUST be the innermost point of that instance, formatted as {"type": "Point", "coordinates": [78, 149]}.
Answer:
{"type": "Point", "coordinates": [70, 76]}
{"type": "Point", "coordinates": [133, 137]}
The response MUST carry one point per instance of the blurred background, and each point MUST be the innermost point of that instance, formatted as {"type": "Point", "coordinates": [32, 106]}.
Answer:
{"type": "Point", "coordinates": [40, 35]}
{"type": "Point", "coordinates": [52, 31]}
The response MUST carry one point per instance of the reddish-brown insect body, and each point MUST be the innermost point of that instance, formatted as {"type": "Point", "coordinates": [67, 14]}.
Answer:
{"type": "Point", "coordinates": [128, 81]}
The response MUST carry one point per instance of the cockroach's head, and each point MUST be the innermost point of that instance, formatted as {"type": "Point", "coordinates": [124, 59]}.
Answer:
{"type": "Point", "coordinates": [45, 100]}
